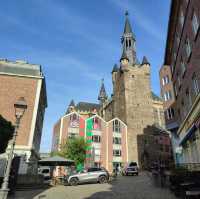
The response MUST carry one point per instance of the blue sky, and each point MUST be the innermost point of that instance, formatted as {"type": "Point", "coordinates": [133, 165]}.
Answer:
{"type": "Point", "coordinates": [77, 42]}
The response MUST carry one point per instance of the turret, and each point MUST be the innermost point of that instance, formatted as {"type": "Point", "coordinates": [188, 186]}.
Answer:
{"type": "Point", "coordinates": [71, 107]}
{"type": "Point", "coordinates": [102, 94]}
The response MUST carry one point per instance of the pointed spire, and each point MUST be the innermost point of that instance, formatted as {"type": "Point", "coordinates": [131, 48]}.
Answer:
{"type": "Point", "coordinates": [145, 61]}
{"type": "Point", "coordinates": [72, 103]}
{"type": "Point", "coordinates": [115, 68]}
{"type": "Point", "coordinates": [71, 107]}
{"type": "Point", "coordinates": [102, 94]}
{"type": "Point", "coordinates": [127, 28]}
{"type": "Point", "coordinates": [124, 55]}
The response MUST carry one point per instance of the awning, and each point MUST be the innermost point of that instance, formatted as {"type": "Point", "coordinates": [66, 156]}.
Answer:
{"type": "Point", "coordinates": [188, 134]}
{"type": "Point", "coordinates": [56, 161]}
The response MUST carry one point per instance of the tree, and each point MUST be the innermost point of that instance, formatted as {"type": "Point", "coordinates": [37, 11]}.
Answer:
{"type": "Point", "coordinates": [74, 149]}
{"type": "Point", "coordinates": [6, 133]}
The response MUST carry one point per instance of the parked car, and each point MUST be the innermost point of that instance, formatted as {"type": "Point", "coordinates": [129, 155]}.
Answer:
{"type": "Point", "coordinates": [45, 171]}
{"type": "Point", "coordinates": [131, 169]}
{"type": "Point", "coordinates": [93, 174]}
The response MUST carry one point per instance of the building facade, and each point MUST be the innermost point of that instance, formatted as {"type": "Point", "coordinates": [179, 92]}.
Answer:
{"type": "Point", "coordinates": [106, 141]}
{"type": "Point", "coordinates": [182, 55]}
{"type": "Point", "coordinates": [21, 79]}
{"type": "Point", "coordinates": [132, 102]}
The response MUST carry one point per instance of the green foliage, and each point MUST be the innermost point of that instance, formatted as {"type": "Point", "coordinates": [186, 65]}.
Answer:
{"type": "Point", "coordinates": [6, 133]}
{"type": "Point", "coordinates": [74, 149]}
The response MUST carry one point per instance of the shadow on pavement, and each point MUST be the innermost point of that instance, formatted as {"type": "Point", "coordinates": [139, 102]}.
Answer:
{"type": "Point", "coordinates": [137, 188]}
{"type": "Point", "coordinates": [30, 194]}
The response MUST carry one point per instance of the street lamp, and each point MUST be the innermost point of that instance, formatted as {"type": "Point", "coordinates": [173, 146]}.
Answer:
{"type": "Point", "coordinates": [20, 107]}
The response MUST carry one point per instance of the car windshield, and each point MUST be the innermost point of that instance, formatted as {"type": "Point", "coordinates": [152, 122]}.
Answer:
{"type": "Point", "coordinates": [132, 164]}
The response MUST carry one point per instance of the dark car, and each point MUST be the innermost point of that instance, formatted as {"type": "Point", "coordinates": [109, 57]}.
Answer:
{"type": "Point", "coordinates": [131, 169]}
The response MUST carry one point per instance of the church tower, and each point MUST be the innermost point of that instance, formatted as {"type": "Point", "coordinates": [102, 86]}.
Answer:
{"type": "Point", "coordinates": [102, 94]}
{"type": "Point", "coordinates": [132, 92]}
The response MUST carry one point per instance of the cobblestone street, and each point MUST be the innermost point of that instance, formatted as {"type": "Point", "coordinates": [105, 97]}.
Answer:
{"type": "Point", "coordinates": [129, 187]}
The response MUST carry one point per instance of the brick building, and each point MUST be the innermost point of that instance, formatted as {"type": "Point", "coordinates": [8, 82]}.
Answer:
{"type": "Point", "coordinates": [108, 139]}
{"type": "Point", "coordinates": [21, 79]}
{"type": "Point", "coordinates": [183, 57]}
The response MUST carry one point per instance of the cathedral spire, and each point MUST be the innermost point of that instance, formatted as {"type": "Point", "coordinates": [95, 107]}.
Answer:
{"type": "Point", "coordinates": [128, 41]}
{"type": "Point", "coordinates": [102, 94]}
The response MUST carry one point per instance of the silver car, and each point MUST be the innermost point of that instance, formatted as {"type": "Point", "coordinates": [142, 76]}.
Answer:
{"type": "Point", "coordinates": [94, 174]}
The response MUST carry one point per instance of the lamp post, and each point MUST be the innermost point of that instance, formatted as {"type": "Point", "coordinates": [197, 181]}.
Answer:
{"type": "Point", "coordinates": [20, 107]}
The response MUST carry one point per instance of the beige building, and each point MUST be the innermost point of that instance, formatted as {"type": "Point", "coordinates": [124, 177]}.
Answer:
{"type": "Point", "coordinates": [21, 79]}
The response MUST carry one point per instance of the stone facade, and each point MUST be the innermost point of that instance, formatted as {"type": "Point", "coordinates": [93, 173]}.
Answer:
{"type": "Point", "coordinates": [20, 79]}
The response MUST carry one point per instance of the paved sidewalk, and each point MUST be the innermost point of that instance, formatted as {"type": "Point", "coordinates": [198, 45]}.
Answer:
{"type": "Point", "coordinates": [125, 187]}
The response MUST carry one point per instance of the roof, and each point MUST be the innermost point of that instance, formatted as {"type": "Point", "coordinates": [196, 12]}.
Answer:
{"type": "Point", "coordinates": [127, 28]}
{"type": "Point", "coordinates": [155, 97]}
{"type": "Point", "coordinates": [86, 106]}
{"type": "Point", "coordinates": [124, 55]}
{"type": "Point", "coordinates": [115, 68]}
{"type": "Point", "coordinates": [20, 68]}
{"type": "Point", "coordinates": [72, 103]}
{"type": "Point", "coordinates": [145, 61]}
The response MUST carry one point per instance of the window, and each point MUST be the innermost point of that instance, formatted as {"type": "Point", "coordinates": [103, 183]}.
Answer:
{"type": "Point", "coordinates": [195, 84]}
{"type": "Point", "coordinates": [179, 81]}
{"type": "Point", "coordinates": [117, 153]}
{"type": "Point", "coordinates": [183, 68]}
{"type": "Point", "coordinates": [188, 47]}
{"type": "Point", "coordinates": [96, 138]}
{"type": "Point", "coordinates": [72, 135]}
{"type": "Point", "coordinates": [74, 120]}
{"type": "Point", "coordinates": [170, 113]}
{"type": "Point", "coordinates": [177, 39]}
{"type": "Point", "coordinates": [116, 126]}
{"type": "Point", "coordinates": [94, 169]}
{"type": "Point", "coordinates": [96, 123]}
{"type": "Point", "coordinates": [165, 80]}
{"type": "Point", "coordinates": [129, 43]}
{"type": "Point", "coordinates": [188, 97]}
{"type": "Point", "coordinates": [181, 18]}
{"type": "Point", "coordinates": [195, 23]}
{"type": "Point", "coordinates": [117, 140]}
{"type": "Point", "coordinates": [167, 95]}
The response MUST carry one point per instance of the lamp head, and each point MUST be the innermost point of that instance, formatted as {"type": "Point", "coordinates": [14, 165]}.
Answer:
{"type": "Point", "coordinates": [20, 107]}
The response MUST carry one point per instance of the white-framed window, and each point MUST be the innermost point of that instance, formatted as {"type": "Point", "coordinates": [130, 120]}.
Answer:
{"type": "Point", "coordinates": [195, 84]}
{"type": "Point", "coordinates": [195, 23]}
{"type": "Point", "coordinates": [165, 80]}
{"type": "Point", "coordinates": [117, 140]}
{"type": "Point", "coordinates": [167, 95]}
{"type": "Point", "coordinates": [117, 153]}
{"type": "Point", "coordinates": [181, 18]}
{"type": "Point", "coordinates": [183, 68]}
{"type": "Point", "coordinates": [170, 113]}
{"type": "Point", "coordinates": [188, 47]}
{"type": "Point", "coordinates": [74, 120]}
{"type": "Point", "coordinates": [96, 138]}
{"type": "Point", "coordinates": [116, 126]}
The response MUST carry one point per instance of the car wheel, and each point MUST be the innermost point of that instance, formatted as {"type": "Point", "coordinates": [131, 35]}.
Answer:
{"type": "Point", "coordinates": [102, 179]}
{"type": "Point", "coordinates": [136, 174]}
{"type": "Point", "coordinates": [73, 181]}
